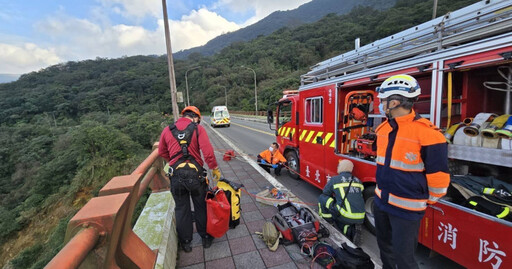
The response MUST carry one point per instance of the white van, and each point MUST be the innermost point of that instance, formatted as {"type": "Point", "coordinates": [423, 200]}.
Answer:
{"type": "Point", "coordinates": [220, 116]}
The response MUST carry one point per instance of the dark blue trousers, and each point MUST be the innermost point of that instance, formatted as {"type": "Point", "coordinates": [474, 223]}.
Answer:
{"type": "Point", "coordinates": [397, 239]}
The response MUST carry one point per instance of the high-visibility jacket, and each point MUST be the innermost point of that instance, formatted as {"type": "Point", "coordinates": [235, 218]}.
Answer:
{"type": "Point", "coordinates": [412, 166]}
{"type": "Point", "coordinates": [275, 158]}
{"type": "Point", "coordinates": [349, 209]}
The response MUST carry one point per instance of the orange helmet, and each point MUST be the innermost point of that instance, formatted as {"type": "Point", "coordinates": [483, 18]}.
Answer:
{"type": "Point", "coordinates": [192, 109]}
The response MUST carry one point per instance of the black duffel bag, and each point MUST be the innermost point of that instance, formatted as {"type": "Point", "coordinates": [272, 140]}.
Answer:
{"type": "Point", "coordinates": [352, 258]}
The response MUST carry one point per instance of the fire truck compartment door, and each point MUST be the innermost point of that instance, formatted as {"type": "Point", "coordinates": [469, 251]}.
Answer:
{"type": "Point", "coordinates": [312, 139]}
{"type": "Point", "coordinates": [471, 238]}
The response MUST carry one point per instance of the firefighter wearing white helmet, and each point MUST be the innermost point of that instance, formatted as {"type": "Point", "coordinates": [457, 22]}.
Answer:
{"type": "Point", "coordinates": [412, 171]}
{"type": "Point", "coordinates": [401, 88]}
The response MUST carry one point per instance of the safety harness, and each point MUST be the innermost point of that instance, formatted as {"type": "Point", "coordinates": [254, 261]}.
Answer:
{"type": "Point", "coordinates": [184, 137]}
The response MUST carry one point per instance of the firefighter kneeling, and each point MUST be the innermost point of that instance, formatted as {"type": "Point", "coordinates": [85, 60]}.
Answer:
{"type": "Point", "coordinates": [341, 202]}
{"type": "Point", "coordinates": [272, 158]}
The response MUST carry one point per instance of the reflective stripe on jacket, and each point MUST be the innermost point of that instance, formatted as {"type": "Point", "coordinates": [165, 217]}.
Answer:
{"type": "Point", "coordinates": [352, 210]}
{"type": "Point", "coordinates": [412, 166]}
{"type": "Point", "coordinates": [277, 157]}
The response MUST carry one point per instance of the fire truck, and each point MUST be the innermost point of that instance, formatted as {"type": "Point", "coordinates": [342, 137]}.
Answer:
{"type": "Point", "coordinates": [463, 63]}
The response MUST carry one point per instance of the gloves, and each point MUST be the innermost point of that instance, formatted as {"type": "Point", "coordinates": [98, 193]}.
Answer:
{"type": "Point", "coordinates": [263, 161]}
{"type": "Point", "coordinates": [216, 174]}
{"type": "Point", "coordinates": [274, 166]}
{"type": "Point", "coordinates": [335, 210]}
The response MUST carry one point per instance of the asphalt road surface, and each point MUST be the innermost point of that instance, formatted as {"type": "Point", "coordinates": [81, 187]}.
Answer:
{"type": "Point", "coordinates": [254, 137]}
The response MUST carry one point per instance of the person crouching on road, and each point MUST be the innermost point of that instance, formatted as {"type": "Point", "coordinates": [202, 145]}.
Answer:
{"type": "Point", "coordinates": [341, 202]}
{"type": "Point", "coordinates": [412, 171]}
{"type": "Point", "coordinates": [181, 145]}
{"type": "Point", "coordinates": [272, 158]}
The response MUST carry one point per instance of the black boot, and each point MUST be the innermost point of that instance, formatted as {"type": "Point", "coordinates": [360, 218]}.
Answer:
{"type": "Point", "coordinates": [186, 246]}
{"type": "Point", "coordinates": [207, 241]}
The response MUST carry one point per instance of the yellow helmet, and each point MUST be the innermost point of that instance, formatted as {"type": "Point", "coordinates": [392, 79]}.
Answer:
{"type": "Point", "coordinates": [403, 85]}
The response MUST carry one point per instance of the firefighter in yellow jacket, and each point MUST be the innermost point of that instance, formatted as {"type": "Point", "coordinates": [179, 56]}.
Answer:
{"type": "Point", "coordinates": [272, 158]}
{"type": "Point", "coordinates": [412, 171]}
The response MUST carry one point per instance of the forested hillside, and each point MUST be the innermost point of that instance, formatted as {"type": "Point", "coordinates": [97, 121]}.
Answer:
{"type": "Point", "coordinates": [306, 13]}
{"type": "Point", "coordinates": [67, 129]}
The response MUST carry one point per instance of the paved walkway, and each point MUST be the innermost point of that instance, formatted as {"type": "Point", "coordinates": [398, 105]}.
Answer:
{"type": "Point", "coordinates": [240, 247]}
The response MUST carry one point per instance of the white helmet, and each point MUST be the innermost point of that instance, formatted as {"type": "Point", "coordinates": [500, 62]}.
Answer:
{"type": "Point", "coordinates": [403, 85]}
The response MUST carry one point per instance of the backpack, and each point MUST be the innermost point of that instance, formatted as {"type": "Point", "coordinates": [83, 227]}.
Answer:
{"type": "Point", "coordinates": [352, 258]}
{"type": "Point", "coordinates": [233, 193]}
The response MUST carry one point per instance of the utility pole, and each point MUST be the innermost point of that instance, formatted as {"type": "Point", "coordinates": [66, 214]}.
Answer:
{"type": "Point", "coordinates": [172, 79]}
{"type": "Point", "coordinates": [434, 11]}
{"type": "Point", "coordinates": [186, 82]}
{"type": "Point", "coordinates": [225, 94]}
{"type": "Point", "coordinates": [255, 91]}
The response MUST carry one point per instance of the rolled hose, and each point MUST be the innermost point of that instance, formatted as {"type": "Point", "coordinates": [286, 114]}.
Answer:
{"type": "Point", "coordinates": [461, 138]}
{"type": "Point", "coordinates": [506, 131]}
{"type": "Point", "coordinates": [451, 131]}
{"type": "Point", "coordinates": [467, 121]}
{"type": "Point", "coordinates": [496, 124]}
{"type": "Point", "coordinates": [506, 144]}
{"type": "Point", "coordinates": [474, 128]}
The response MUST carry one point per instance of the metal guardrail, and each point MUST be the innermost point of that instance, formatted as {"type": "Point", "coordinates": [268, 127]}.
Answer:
{"type": "Point", "coordinates": [100, 234]}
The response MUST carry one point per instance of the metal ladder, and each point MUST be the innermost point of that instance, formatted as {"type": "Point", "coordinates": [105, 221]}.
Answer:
{"type": "Point", "coordinates": [483, 19]}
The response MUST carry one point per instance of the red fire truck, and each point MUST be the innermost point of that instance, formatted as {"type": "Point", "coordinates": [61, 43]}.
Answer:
{"type": "Point", "coordinates": [333, 113]}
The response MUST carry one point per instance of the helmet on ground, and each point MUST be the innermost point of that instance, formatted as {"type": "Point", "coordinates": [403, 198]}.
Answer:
{"type": "Point", "coordinates": [191, 109]}
{"type": "Point", "coordinates": [403, 85]}
{"type": "Point", "coordinates": [271, 235]}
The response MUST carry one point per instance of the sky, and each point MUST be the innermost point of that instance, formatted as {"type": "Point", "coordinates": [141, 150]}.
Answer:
{"type": "Point", "coordinates": [35, 34]}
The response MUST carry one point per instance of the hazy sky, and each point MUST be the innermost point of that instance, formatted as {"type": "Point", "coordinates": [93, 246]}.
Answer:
{"type": "Point", "coordinates": [37, 33]}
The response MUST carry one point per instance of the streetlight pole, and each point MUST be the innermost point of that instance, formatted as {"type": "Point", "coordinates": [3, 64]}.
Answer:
{"type": "Point", "coordinates": [225, 94]}
{"type": "Point", "coordinates": [186, 82]}
{"type": "Point", "coordinates": [255, 91]}
{"type": "Point", "coordinates": [172, 80]}
{"type": "Point", "coordinates": [434, 10]}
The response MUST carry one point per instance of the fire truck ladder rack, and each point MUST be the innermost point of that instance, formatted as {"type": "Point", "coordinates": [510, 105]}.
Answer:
{"type": "Point", "coordinates": [477, 21]}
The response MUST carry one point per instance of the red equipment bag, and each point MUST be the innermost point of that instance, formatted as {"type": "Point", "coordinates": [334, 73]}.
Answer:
{"type": "Point", "coordinates": [218, 212]}
{"type": "Point", "coordinates": [291, 220]}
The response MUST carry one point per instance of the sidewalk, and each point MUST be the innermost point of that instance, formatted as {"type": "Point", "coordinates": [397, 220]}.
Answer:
{"type": "Point", "coordinates": [240, 247]}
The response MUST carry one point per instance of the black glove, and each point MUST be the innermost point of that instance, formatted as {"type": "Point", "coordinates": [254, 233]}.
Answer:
{"type": "Point", "coordinates": [334, 210]}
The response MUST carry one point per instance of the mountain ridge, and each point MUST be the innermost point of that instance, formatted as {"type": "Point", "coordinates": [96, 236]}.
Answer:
{"type": "Point", "coordinates": [306, 13]}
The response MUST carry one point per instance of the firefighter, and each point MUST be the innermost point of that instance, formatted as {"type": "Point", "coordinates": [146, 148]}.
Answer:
{"type": "Point", "coordinates": [180, 145]}
{"type": "Point", "coordinates": [412, 171]}
{"type": "Point", "coordinates": [341, 202]}
{"type": "Point", "coordinates": [272, 158]}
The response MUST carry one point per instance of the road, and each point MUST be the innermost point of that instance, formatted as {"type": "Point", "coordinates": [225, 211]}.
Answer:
{"type": "Point", "coordinates": [254, 137]}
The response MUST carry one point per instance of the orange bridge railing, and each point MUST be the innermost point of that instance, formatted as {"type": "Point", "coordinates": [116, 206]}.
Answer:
{"type": "Point", "coordinates": [100, 234]}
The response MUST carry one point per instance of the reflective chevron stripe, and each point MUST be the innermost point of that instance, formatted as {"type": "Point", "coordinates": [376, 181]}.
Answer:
{"type": "Point", "coordinates": [302, 134]}
{"type": "Point", "coordinates": [317, 135]}
{"type": "Point", "coordinates": [327, 137]}
{"type": "Point", "coordinates": [310, 135]}
{"type": "Point", "coordinates": [288, 131]}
